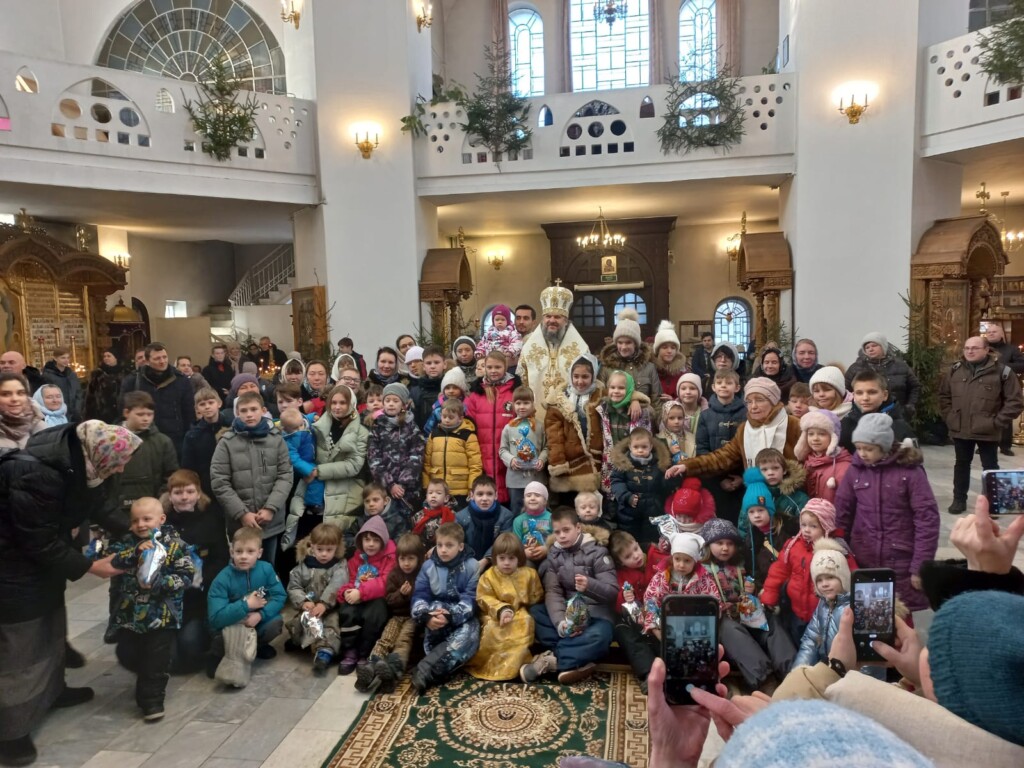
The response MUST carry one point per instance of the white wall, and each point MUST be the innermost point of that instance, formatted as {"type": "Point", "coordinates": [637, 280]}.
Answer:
{"type": "Point", "coordinates": [273, 320]}
{"type": "Point", "coordinates": [198, 273]}
{"type": "Point", "coordinates": [32, 28]}
{"type": "Point", "coordinates": [524, 274]}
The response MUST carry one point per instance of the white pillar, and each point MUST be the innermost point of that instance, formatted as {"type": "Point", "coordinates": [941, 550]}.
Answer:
{"type": "Point", "coordinates": [860, 200]}
{"type": "Point", "coordinates": [373, 229]}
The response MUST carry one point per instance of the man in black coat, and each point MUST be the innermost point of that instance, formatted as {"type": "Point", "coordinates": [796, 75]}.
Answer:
{"type": "Point", "coordinates": [171, 392]}
{"type": "Point", "coordinates": [1010, 356]}
{"type": "Point", "coordinates": [701, 363]}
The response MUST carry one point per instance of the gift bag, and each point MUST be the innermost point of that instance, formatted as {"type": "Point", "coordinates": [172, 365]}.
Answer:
{"type": "Point", "coordinates": [631, 610]}
{"type": "Point", "coordinates": [577, 614]}
{"type": "Point", "coordinates": [752, 613]}
{"type": "Point", "coordinates": [151, 562]}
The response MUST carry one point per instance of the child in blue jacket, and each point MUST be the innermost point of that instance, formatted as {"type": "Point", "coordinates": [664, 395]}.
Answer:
{"type": "Point", "coordinates": [831, 574]}
{"type": "Point", "coordinates": [302, 452]}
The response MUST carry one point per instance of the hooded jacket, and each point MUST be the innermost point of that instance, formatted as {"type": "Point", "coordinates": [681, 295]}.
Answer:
{"type": "Point", "coordinates": [647, 482]}
{"type": "Point", "coordinates": [340, 465]}
{"type": "Point", "coordinates": [453, 456]}
{"type": "Point", "coordinates": [572, 465]}
{"type": "Point", "coordinates": [978, 403]}
{"type": "Point", "coordinates": [825, 474]}
{"type": "Point", "coordinates": [792, 572]}
{"type": "Point", "coordinates": [559, 570]}
{"type": "Point", "coordinates": [639, 366]}
{"type": "Point", "coordinates": [370, 574]}
{"type": "Point", "coordinates": [821, 631]}
{"type": "Point", "coordinates": [395, 454]}
{"type": "Point", "coordinates": [700, 582]}
{"type": "Point", "coordinates": [490, 418]}
{"type": "Point", "coordinates": [226, 598]}
{"type": "Point", "coordinates": [250, 473]}
{"type": "Point", "coordinates": [159, 607]}
{"type": "Point", "coordinates": [788, 495]}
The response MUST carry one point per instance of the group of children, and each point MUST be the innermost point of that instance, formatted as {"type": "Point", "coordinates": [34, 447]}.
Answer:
{"type": "Point", "coordinates": [423, 512]}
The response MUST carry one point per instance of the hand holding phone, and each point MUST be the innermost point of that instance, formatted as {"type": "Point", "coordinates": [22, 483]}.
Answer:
{"type": "Point", "coordinates": [874, 610]}
{"type": "Point", "coordinates": [1004, 489]}
{"type": "Point", "coordinates": [689, 645]}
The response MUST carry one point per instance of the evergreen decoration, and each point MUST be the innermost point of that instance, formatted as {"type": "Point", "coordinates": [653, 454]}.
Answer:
{"type": "Point", "coordinates": [413, 122]}
{"type": "Point", "coordinates": [715, 119]}
{"type": "Point", "coordinates": [219, 116]}
{"type": "Point", "coordinates": [1002, 57]}
{"type": "Point", "coordinates": [496, 118]}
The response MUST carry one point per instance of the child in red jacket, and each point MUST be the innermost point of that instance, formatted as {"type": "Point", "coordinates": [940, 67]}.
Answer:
{"type": "Point", "coordinates": [363, 610]}
{"type": "Point", "coordinates": [793, 568]}
{"type": "Point", "coordinates": [631, 569]}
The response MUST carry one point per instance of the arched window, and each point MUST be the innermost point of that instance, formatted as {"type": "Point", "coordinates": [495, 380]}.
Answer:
{"type": "Point", "coordinates": [588, 312]}
{"type": "Point", "coordinates": [636, 302]}
{"type": "Point", "coordinates": [604, 55]}
{"type": "Point", "coordinates": [698, 48]}
{"type": "Point", "coordinates": [732, 323]}
{"type": "Point", "coordinates": [526, 54]}
{"type": "Point", "coordinates": [180, 39]}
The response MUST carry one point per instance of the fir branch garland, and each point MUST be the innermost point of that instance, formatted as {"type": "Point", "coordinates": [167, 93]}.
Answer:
{"type": "Point", "coordinates": [716, 120]}
{"type": "Point", "coordinates": [218, 115]}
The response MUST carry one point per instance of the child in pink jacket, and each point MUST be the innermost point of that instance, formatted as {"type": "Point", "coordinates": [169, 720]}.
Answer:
{"type": "Point", "coordinates": [819, 451]}
{"type": "Point", "coordinates": [362, 608]}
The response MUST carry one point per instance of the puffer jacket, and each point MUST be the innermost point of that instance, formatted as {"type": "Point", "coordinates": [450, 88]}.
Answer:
{"type": "Point", "coordinates": [559, 570]}
{"type": "Point", "coordinates": [891, 518]}
{"type": "Point", "coordinates": [731, 458]}
{"type": "Point", "coordinates": [424, 393]}
{"type": "Point", "coordinates": [640, 367]}
{"type": "Point", "coordinates": [821, 631]}
{"type": "Point", "coordinates": [979, 404]}
{"type": "Point", "coordinates": [571, 463]}
{"type": "Point", "coordinates": [226, 599]}
{"type": "Point", "coordinates": [453, 456]}
{"type": "Point", "coordinates": [322, 580]}
{"type": "Point", "coordinates": [904, 388]}
{"type": "Point", "coordinates": [147, 472]}
{"type": "Point", "coordinates": [370, 574]}
{"type": "Point", "coordinates": [68, 384]}
{"type": "Point", "coordinates": [823, 469]}
{"type": "Point", "coordinates": [490, 419]}
{"type": "Point", "coordinates": [792, 571]}
{"type": "Point", "coordinates": [394, 454]}
{"type": "Point", "coordinates": [159, 607]}
{"type": "Point", "coordinates": [701, 582]}
{"type": "Point", "coordinates": [249, 473]}
{"type": "Point", "coordinates": [449, 586]}
{"type": "Point", "coordinates": [647, 482]}
{"type": "Point", "coordinates": [340, 465]}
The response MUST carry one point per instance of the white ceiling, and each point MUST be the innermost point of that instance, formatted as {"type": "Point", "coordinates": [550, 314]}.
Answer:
{"type": "Point", "coordinates": [1000, 166]}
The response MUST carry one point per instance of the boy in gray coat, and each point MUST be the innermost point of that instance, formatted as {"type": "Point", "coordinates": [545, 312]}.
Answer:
{"type": "Point", "coordinates": [251, 473]}
{"type": "Point", "coordinates": [523, 448]}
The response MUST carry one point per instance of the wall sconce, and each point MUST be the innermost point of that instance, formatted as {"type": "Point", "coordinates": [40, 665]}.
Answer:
{"type": "Point", "coordinates": [853, 99]}
{"type": "Point", "coordinates": [496, 258]}
{"type": "Point", "coordinates": [425, 17]}
{"type": "Point", "coordinates": [122, 260]}
{"type": "Point", "coordinates": [732, 243]}
{"type": "Point", "coordinates": [367, 138]}
{"type": "Point", "coordinates": [289, 13]}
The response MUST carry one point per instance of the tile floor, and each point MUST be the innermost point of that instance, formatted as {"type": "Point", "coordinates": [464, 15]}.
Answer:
{"type": "Point", "coordinates": [285, 717]}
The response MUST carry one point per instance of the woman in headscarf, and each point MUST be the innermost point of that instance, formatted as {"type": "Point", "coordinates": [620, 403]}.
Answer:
{"type": "Point", "coordinates": [570, 417]}
{"type": "Point", "coordinates": [51, 404]}
{"type": "Point", "coordinates": [49, 490]}
{"type": "Point", "coordinates": [104, 388]}
{"type": "Point", "coordinates": [20, 418]}
{"type": "Point", "coordinates": [772, 365]}
{"type": "Point", "coordinates": [403, 344]}
{"type": "Point", "coordinates": [386, 371]}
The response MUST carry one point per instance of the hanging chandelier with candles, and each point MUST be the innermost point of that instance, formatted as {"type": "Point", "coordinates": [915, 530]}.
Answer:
{"type": "Point", "coordinates": [600, 237]}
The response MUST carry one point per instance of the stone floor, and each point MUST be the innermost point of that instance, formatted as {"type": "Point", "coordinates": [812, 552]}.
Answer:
{"type": "Point", "coordinates": [286, 717]}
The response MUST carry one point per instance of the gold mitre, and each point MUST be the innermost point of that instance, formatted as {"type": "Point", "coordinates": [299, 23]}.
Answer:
{"type": "Point", "coordinates": [556, 300]}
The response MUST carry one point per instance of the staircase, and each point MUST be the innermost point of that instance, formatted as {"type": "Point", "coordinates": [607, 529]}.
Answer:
{"type": "Point", "coordinates": [222, 323]}
{"type": "Point", "coordinates": [270, 281]}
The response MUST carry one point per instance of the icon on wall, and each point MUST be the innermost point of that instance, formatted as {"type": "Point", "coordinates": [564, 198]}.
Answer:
{"type": "Point", "coordinates": [609, 269]}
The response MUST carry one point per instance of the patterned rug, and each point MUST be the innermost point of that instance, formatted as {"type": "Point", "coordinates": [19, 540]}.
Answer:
{"type": "Point", "coordinates": [472, 723]}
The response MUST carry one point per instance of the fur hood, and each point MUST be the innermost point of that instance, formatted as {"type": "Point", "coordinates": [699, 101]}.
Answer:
{"type": "Point", "coordinates": [594, 533]}
{"type": "Point", "coordinates": [795, 479]}
{"type": "Point", "coordinates": [620, 460]}
{"type": "Point", "coordinates": [679, 365]}
{"type": "Point", "coordinates": [201, 505]}
{"type": "Point", "coordinates": [560, 400]}
{"type": "Point", "coordinates": [612, 360]}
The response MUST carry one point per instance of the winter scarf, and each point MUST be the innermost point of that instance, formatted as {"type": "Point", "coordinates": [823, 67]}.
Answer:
{"type": "Point", "coordinates": [107, 448]}
{"type": "Point", "coordinates": [53, 418]}
{"type": "Point", "coordinates": [771, 434]}
{"type": "Point", "coordinates": [18, 428]}
{"type": "Point", "coordinates": [262, 428]}
{"type": "Point", "coordinates": [442, 514]}
{"type": "Point", "coordinates": [483, 527]}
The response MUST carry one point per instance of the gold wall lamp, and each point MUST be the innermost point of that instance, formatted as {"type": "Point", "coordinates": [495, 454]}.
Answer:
{"type": "Point", "coordinates": [425, 17]}
{"type": "Point", "coordinates": [854, 98]}
{"type": "Point", "coordinates": [291, 11]}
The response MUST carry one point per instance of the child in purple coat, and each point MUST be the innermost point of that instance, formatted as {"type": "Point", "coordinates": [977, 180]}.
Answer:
{"type": "Point", "coordinates": [887, 509]}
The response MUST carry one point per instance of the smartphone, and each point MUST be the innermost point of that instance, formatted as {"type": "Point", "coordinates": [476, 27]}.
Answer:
{"type": "Point", "coordinates": [689, 645]}
{"type": "Point", "coordinates": [1004, 489]}
{"type": "Point", "coordinates": [874, 610]}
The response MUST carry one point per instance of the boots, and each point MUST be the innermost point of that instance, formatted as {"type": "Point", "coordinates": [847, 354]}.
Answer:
{"type": "Point", "coordinates": [18, 751]}
{"type": "Point", "coordinates": [431, 669]}
{"type": "Point", "coordinates": [391, 672]}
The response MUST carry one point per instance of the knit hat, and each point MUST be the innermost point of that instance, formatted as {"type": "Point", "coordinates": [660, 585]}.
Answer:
{"type": "Point", "coordinates": [763, 386]}
{"type": "Point", "coordinates": [876, 337]}
{"type": "Point", "coordinates": [817, 733]}
{"type": "Point", "coordinates": [399, 390]}
{"type": "Point", "coordinates": [412, 354]}
{"type": "Point", "coordinates": [719, 529]}
{"type": "Point", "coordinates": [294, 355]}
{"type": "Point", "coordinates": [971, 634]}
{"type": "Point", "coordinates": [829, 559]}
{"type": "Point", "coordinates": [832, 376]}
{"type": "Point", "coordinates": [666, 335]}
{"type": "Point", "coordinates": [536, 487]}
{"type": "Point", "coordinates": [818, 419]}
{"type": "Point", "coordinates": [459, 342]}
{"type": "Point", "coordinates": [758, 494]}
{"type": "Point", "coordinates": [875, 429]}
{"type": "Point", "coordinates": [688, 544]}
{"type": "Point", "coordinates": [824, 511]}
{"type": "Point", "coordinates": [689, 378]}
{"type": "Point", "coordinates": [628, 326]}
{"type": "Point", "coordinates": [240, 379]}
{"type": "Point", "coordinates": [454, 378]}
{"type": "Point", "coordinates": [687, 500]}
{"type": "Point", "coordinates": [502, 310]}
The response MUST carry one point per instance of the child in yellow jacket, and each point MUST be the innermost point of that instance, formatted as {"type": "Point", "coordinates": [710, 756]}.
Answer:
{"type": "Point", "coordinates": [453, 453]}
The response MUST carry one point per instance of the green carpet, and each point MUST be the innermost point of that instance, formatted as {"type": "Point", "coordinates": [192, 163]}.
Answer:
{"type": "Point", "coordinates": [472, 723]}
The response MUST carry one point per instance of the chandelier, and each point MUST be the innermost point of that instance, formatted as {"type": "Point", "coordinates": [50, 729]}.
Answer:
{"type": "Point", "coordinates": [610, 10]}
{"type": "Point", "coordinates": [600, 236]}
{"type": "Point", "coordinates": [1011, 241]}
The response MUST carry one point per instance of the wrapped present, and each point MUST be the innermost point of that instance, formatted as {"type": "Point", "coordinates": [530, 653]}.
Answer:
{"type": "Point", "coordinates": [97, 548]}
{"type": "Point", "coordinates": [152, 561]}
{"type": "Point", "coordinates": [752, 613]}
{"type": "Point", "coordinates": [534, 538]}
{"type": "Point", "coordinates": [577, 614]}
{"type": "Point", "coordinates": [631, 609]}
{"type": "Point", "coordinates": [312, 629]}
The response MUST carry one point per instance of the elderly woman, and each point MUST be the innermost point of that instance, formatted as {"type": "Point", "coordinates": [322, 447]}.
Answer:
{"type": "Point", "coordinates": [48, 490]}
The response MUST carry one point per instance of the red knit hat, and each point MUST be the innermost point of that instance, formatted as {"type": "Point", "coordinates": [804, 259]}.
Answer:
{"type": "Point", "coordinates": [686, 501]}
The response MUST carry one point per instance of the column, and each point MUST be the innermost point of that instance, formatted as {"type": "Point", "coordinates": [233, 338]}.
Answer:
{"type": "Point", "coordinates": [370, 235]}
{"type": "Point", "coordinates": [860, 199]}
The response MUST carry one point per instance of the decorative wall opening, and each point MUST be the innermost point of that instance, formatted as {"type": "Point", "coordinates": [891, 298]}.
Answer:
{"type": "Point", "coordinates": [96, 110]}
{"type": "Point", "coordinates": [733, 318]}
{"type": "Point", "coordinates": [25, 81]}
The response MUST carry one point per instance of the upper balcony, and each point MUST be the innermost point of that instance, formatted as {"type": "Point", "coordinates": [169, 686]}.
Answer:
{"type": "Point", "coordinates": [962, 108]}
{"type": "Point", "coordinates": [603, 137]}
{"type": "Point", "coordinates": [85, 126]}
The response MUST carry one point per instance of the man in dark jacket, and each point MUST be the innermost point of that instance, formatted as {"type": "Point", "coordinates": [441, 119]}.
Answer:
{"type": "Point", "coordinates": [978, 398]}
{"type": "Point", "coordinates": [170, 390]}
{"type": "Point", "coordinates": [701, 363]}
{"type": "Point", "coordinates": [1011, 356]}
{"type": "Point", "coordinates": [346, 347]}
{"type": "Point", "coordinates": [59, 372]}
{"type": "Point", "coordinates": [219, 372]}
{"type": "Point", "coordinates": [427, 388]}
{"type": "Point", "coordinates": [269, 353]}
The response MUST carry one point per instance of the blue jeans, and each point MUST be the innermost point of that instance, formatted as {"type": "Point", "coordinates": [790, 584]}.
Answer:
{"type": "Point", "coordinates": [572, 652]}
{"type": "Point", "coordinates": [515, 499]}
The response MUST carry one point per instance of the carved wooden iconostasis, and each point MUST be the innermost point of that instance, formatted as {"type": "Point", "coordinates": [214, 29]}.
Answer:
{"type": "Point", "coordinates": [765, 268]}
{"type": "Point", "coordinates": [445, 282]}
{"type": "Point", "coordinates": [53, 295]}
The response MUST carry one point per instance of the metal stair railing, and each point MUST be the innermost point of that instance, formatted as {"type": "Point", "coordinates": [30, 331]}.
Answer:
{"type": "Point", "coordinates": [276, 268]}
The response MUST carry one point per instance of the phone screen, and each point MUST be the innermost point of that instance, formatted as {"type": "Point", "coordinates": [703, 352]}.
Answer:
{"type": "Point", "coordinates": [873, 611]}
{"type": "Point", "coordinates": [691, 655]}
{"type": "Point", "coordinates": [1004, 489]}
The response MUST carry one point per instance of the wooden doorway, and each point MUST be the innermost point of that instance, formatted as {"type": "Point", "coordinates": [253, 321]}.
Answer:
{"type": "Point", "coordinates": [637, 276]}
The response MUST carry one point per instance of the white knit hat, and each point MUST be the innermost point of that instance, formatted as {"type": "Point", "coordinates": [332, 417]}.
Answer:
{"type": "Point", "coordinates": [688, 544]}
{"type": "Point", "coordinates": [829, 558]}
{"type": "Point", "coordinates": [455, 377]}
{"type": "Point", "coordinates": [877, 338]}
{"type": "Point", "coordinates": [412, 354]}
{"type": "Point", "coordinates": [628, 326]}
{"type": "Point", "coordinates": [666, 335]}
{"type": "Point", "coordinates": [832, 376]}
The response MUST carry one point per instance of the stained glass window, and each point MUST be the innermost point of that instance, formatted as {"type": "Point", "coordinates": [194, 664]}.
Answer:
{"type": "Point", "coordinates": [526, 54]}
{"type": "Point", "coordinates": [588, 312]}
{"type": "Point", "coordinates": [636, 302]}
{"type": "Point", "coordinates": [698, 49]}
{"type": "Point", "coordinates": [616, 55]}
{"type": "Point", "coordinates": [732, 323]}
{"type": "Point", "coordinates": [180, 38]}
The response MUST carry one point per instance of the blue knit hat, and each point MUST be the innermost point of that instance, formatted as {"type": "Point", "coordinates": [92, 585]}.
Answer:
{"type": "Point", "coordinates": [971, 634]}
{"type": "Point", "coordinates": [758, 494]}
{"type": "Point", "coordinates": [815, 734]}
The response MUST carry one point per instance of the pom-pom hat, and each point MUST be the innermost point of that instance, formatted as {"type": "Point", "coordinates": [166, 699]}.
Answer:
{"type": "Point", "coordinates": [818, 419]}
{"type": "Point", "coordinates": [758, 494]}
{"type": "Point", "coordinates": [628, 326]}
{"type": "Point", "coordinates": [666, 335]}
